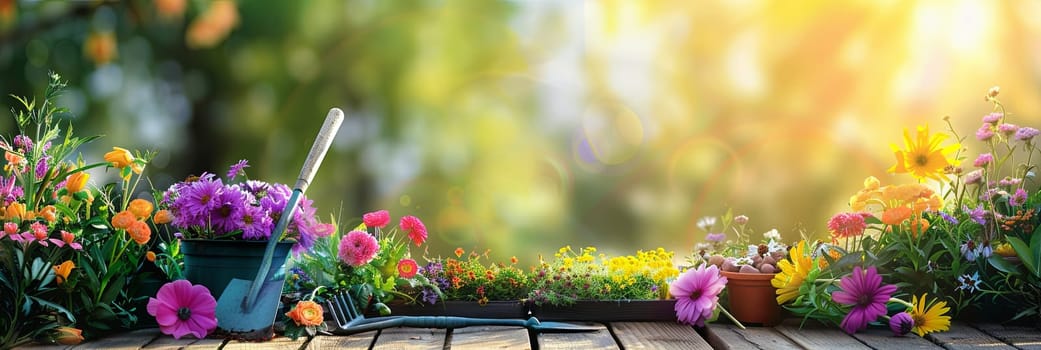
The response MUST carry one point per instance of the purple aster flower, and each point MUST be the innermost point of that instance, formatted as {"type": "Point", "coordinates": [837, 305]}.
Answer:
{"type": "Point", "coordinates": [978, 214]}
{"type": "Point", "coordinates": [433, 268]}
{"type": "Point", "coordinates": [901, 324]}
{"type": "Point", "coordinates": [1009, 181]}
{"type": "Point", "coordinates": [992, 193]}
{"type": "Point", "coordinates": [237, 169]}
{"type": "Point", "coordinates": [1007, 129]}
{"type": "Point", "coordinates": [23, 143]}
{"type": "Point", "coordinates": [985, 132]}
{"type": "Point", "coordinates": [947, 217]}
{"type": "Point", "coordinates": [42, 167]}
{"type": "Point", "coordinates": [428, 296]}
{"type": "Point", "coordinates": [9, 192]}
{"type": "Point", "coordinates": [1018, 199]}
{"type": "Point", "coordinates": [983, 160]}
{"type": "Point", "coordinates": [992, 118]}
{"type": "Point", "coordinates": [225, 216]}
{"type": "Point", "coordinates": [275, 200]}
{"type": "Point", "coordinates": [697, 292]}
{"type": "Point", "coordinates": [716, 237]}
{"type": "Point", "coordinates": [197, 200]}
{"type": "Point", "coordinates": [46, 146]}
{"type": "Point", "coordinates": [868, 296]}
{"type": "Point", "coordinates": [256, 224]}
{"type": "Point", "coordinates": [1026, 134]}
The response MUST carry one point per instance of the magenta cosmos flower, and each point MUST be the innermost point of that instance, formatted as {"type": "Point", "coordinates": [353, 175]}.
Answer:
{"type": "Point", "coordinates": [868, 296]}
{"type": "Point", "coordinates": [181, 308]}
{"type": "Point", "coordinates": [696, 292]}
{"type": "Point", "coordinates": [845, 225]}
{"type": "Point", "coordinates": [358, 248]}
{"type": "Point", "coordinates": [417, 232]}
{"type": "Point", "coordinates": [376, 219]}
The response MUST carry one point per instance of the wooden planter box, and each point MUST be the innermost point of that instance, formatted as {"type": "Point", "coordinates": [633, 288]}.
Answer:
{"type": "Point", "coordinates": [493, 309]}
{"type": "Point", "coordinates": [608, 311]}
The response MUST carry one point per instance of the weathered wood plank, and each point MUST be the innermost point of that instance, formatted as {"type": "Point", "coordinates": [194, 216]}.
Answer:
{"type": "Point", "coordinates": [489, 337]}
{"type": "Point", "coordinates": [352, 342]}
{"type": "Point", "coordinates": [132, 340]}
{"type": "Point", "coordinates": [657, 335]}
{"type": "Point", "coordinates": [600, 339]}
{"type": "Point", "coordinates": [279, 343]}
{"type": "Point", "coordinates": [411, 338]}
{"type": "Point", "coordinates": [165, 342]}
{"type": "Point", "coordinates": [36, 346]}
{"type": "Point", "coordinates": [732, 337]}
{"type": "Point", "coordinates": [814, 335]}
{"type": "Point", "coordinates": [883, 339]}
{"type": "Point", "coordinates": [1023, 337]}
{"type": "Point", "coordinates": [962, 336]}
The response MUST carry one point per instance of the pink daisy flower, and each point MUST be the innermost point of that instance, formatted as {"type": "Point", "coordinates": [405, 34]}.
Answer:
{"type": "Point", "coordinates": [983, 160]}
{"type": "Point", "coordinates": [845, 225]}
{"type": "Point", "coordinates": [377, 219]}
{"type": "Point", "coordinates": [358, 248]}
{"type": "Point", "coordinates": [407, 268]}
{"type": "Point", "coordinates": [868, 296]}
{"type": "Point", "coordinates": [985, 132]}
{"type": "Point", "coordinates": [697, 292]}
{"type": "Point", "coordinates": [417, 232]}
{"type": "Point", "coordinates": [992, 118]}
{"type": "Point", "coordinates": [181, 308]}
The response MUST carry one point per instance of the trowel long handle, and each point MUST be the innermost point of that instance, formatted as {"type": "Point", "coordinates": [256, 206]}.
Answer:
{"type": "Point", "coordinates": [319, 148]}
{"type": "Point", "coordinates": [314, 159]}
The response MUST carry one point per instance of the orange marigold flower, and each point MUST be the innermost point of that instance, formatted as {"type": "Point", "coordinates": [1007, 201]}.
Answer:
{"type": "Point", "coordinates": [306, 313]}
{"type": "Point", "coordinates": [141, 208]}
{"type": "Point", "coordinates": [162, 217]}
{"type": "Point", "coordinates": [459, 252]}
{"type": "Point", "coordinates": [140, 232]}
{"type": "Point", "coordinates": [919, 227]}
{"type": "Point", "coordinates": [896, 215]}
{"type": "Point", "coordinates": [75, 182]}
{"type": "Point", "coordinates": [123, 219]}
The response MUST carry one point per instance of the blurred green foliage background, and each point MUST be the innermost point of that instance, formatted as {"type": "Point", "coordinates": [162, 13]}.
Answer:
{"type": "Point", "coordinates": [522, 126]}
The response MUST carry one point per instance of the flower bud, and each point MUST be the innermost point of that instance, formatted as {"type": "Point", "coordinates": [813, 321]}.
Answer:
{"type": "Point", "coordinates": [76, 181]}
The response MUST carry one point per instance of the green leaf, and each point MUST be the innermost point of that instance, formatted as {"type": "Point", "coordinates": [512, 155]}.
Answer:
{"type": "Point", "coordinates": [54, 307]}
{"type": "Point", "coordinates": [1026, 255]}
{"type": "Point", "coordinates": [999, 262]}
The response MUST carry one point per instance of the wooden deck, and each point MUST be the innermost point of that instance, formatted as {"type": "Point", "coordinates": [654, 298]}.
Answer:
{"type": "Point", "coordinates": [618, 335]}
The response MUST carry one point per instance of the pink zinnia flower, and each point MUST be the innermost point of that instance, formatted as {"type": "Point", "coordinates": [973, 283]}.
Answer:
{"type": "Point", "coordinates": [901, 323]}
{"type": "Point", "coordinates": [697, 292]}
{"type": "Point", "coordinates": [407, 268]}
{"type": "Point", "coordinates": [845, 225]}
{"type": "Point", "coordinates": [1007, 129]}
{"type": "Point", "coordinates": [985, 132]}
{"type": "Point", "coordinates": [983, 160]}
{"type": "Point", "coordinates": [358, 248]}
{"type": "Point", "coordinates": [868, 296]}
{"type": "Point", "coordinates": [181, 308]}
{"type": "Point", "coordinates": [417, 232]}
{"type": "Point", "coordinates": [1019, 198]}
{"type": "Point", "coordinates": [378, 219]}
{"type": "Point", "coordinates": [992, 118]}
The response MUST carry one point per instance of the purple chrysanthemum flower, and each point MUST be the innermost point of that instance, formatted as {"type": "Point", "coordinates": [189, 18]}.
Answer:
{"type": "Point", "coordinates": [901, 324]}
{"type": "Point", "coordinates": [716, 237]}
{"type": "Point", "coordinates": [697, 292]}
{"type": "Point", "coordinates": [197, 200]}
{"type": "Point", "coordinates": [1026, 134]}
{"type": "Point", "coordinates": [42, 167]}
{"type": "Point", "coordinates": [428, 296]}
{"type": "Point", "coordinates": [256, 224]}
{"type": "Point", "coordinates": [432, 269]}
{"type": "Point", "coordinates": [978, 214]}
{"type": "Point", "coordinates": [225, 216]}
{"type": "Point", "coordinates": [863, 289]}
{"type": "Point", "coordinates": [256, 188]}
{"type": "Point", "coordinates": [992, 118]}
{"type": "Point", "coordinates": [237, 169]}
{"type": "Point", "coordinates": [983, 160]}
{"type": "Point", "coordinates": [947, 217]}
{"type": "Point", "coordinates": [985, 132]}
{"type": "Point", "coordinates": [1019, 198]}
{"type": "Point", "coordinates": [1009, 181]}
{"type": "Point", "coordinates": [275, 200]}
{"type": "Point", "coordinates": [23, 143]}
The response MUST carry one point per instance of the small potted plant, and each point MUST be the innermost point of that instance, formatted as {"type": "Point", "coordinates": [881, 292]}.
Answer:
{"type": "Point", "coordinates": [749, 268]}
{"type": "Point", "coordinates": [470, 288]}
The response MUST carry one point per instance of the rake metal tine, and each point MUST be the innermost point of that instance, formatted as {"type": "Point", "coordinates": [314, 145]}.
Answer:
{"type": "Point", "coordinates": [339, 312]}
{"type": "Point", "coordinates": [354, 314]}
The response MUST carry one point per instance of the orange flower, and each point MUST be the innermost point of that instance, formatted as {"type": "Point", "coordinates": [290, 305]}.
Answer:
{"type": "Point", "coordinates": [49, 213]}
{"type": "Point", "coordinates": [459, 252]}
{"type": "Point", "coordinates": [162, 217]}
{"type": "Point", "coordinates": [68, 335]}
{"type": "Point", "coordinates": [896, 215]}
{"type": "Point", "coordinates": [15, 211]}
{"type": "Point", "coordinates": [62, 271]}
{"type": "Point", "coordinates": [100, 47]}
{"type": "Point", "coordinates": [213, 25]}
{"type": "Point", "coordinates": [13, 158]}
{"type": "Point", "coordinates": [121, 158]}
{"type": "Point", "coordinates": [123, 219]}
{"type": "Point", "coordinates": [140, 232]}
{"type": "Point", "coordinates": [141, 208]}
{"type": "Point", "coordinates": [170, 9]}
{"type": "Point", "coordinates": [513, 259]}
{"type": "Point", "coordinates": [919, 226]}
{"type": "Point", "coordinates": [306, 313]}
{"type": "Point", "coordinates": [76, 181]}
{"type": "Point", "coordinates": [150, 256]}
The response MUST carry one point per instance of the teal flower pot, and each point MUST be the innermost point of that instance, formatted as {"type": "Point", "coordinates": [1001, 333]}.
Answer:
{"type": "Point", "coordinates": [214, 263]}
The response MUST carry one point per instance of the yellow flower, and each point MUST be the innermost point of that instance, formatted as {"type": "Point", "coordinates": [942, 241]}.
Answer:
{"type": "Point", "coordinates": [929, 317]}
{"type": "Point", "coordinates": [924, 158]}
{"type": "Point", "coordinates": [62, 271]}
{"type": "Point", "coordinates": [76, 181]}
{"type": "Point", "coordinates": [1005, 249]}
{"type": "Point", "coordinates": [793, 273]}
{"type": "Point", "coordinates": [121, 158]}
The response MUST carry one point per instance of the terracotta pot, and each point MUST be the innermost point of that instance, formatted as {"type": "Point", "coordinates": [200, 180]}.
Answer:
{"type": "Point", "coordinates": [752, 298]}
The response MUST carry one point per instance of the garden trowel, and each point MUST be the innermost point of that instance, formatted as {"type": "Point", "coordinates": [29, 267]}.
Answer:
{"type": "Point", "coordinates": [250, 306]}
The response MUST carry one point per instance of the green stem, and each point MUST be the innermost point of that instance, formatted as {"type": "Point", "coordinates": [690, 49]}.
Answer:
{"type": "Point", "coordinates": [901, 302]}
{"type": "Point", "coordinates": [724, 311]}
